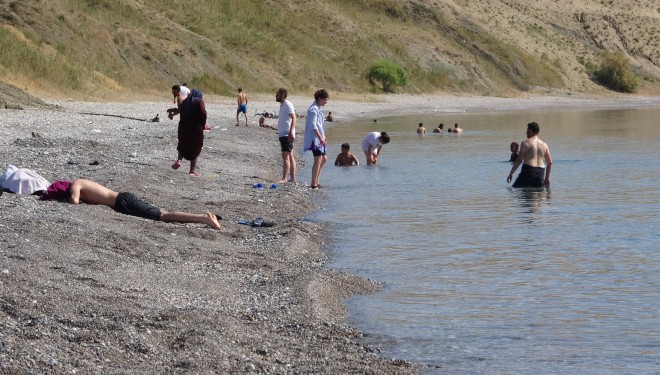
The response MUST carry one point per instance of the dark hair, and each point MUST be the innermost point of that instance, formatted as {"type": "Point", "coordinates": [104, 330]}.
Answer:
{"type": "Point", "coordinates": [283, 91]}
{"type": "Point", "coordinates": [346, 146]}
{"type": "Point", "coordinates": [176, 88]}
{"type": "Point", "coordinates": [240, 89]}
{"type": "Point", "coordinates": [534, 127]}
{"type": "Point", "coordinates": [420, 124]}
{"type": "Point", "coordinates": [441, 125]}
{"type": "Point", "coordinates": [384, 137]}
{"type": "Point", "coordinates": [321, 94]}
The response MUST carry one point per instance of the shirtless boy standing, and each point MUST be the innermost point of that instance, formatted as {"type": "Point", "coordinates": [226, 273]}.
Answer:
{"type": "Point", "coordinates": [242, 101]}
{"type": "Point", "coordinates": [346, 158]}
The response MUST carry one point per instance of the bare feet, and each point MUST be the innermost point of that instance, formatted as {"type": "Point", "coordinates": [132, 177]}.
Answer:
{"type": "Point", "coordinates": [212, 221]}
{"type": "Point", "coordinates": [194, 174]}
{"type": "Point", "coordinates": [281, 181]}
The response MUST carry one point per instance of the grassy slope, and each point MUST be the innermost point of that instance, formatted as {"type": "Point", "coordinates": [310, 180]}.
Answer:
{"type": "Point", "coordinates": [101, 49]}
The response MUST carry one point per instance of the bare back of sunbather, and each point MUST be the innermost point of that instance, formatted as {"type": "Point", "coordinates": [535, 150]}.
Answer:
{"type": "Point", "coordinates": [90, 192]}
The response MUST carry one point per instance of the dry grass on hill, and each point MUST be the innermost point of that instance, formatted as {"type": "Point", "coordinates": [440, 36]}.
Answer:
{"type": "Point", "coordinates": [103, 49]}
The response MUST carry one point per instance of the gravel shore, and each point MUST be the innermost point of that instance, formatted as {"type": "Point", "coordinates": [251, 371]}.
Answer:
{"type": "Point", "coordinates": [86, 290]}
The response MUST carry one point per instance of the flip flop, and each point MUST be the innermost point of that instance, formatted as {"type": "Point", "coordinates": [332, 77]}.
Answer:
{"type": "Point", "coordinates": [194, 174]}
{"type": "Point", "coordinates": [176, 165]}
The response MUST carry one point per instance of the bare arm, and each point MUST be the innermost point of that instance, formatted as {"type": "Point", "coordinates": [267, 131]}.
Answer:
{"type": "Point", "coordinates": [75, 193]}
{"type": "Point", "coordinates": [548, 166]}
{"type": "Point", "coordinates": [318, 135]}
{"type": "Point", "coordinates": [519, 160]}
{"type": "Point", "coordinates": [292, 131]}
{"type": "Point", "coordinates": [355, 160]}
{"type": "Point", "coordinates": [338, 159]}
{"type": "Point", "coordinates": [516, 164]}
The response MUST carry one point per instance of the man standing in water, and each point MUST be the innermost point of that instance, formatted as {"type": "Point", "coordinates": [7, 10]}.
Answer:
{"type": "Point", "coordinates": [241, 101]}
{"type": "Point", "coordinates": [286, 130]}
{"type": "Point", "coordinates": [535, 157]}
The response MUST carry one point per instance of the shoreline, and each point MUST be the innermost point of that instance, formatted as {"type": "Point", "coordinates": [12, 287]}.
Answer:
{"type": "Point", "coordinates": [84, 288]}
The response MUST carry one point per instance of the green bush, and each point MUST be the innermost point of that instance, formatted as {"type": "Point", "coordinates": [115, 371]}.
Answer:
{"type": "Point", "coordinates": [388, 74]}
{"type": "Point", "coordinates": [614, 72]}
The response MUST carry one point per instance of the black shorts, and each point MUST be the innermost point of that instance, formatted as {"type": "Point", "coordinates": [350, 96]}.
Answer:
{"type": "Point", "coordinates": [530, 177]}
{"type": "Point", "coordinates": [287, 146]}
{"type": "Point", "coordinates": [129, 204]}
{"type": "Point", "coordinates": [318, 153]}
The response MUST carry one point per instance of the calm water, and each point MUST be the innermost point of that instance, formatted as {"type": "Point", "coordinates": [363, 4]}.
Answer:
{"type": "Point", "coordinates": [485, 279]}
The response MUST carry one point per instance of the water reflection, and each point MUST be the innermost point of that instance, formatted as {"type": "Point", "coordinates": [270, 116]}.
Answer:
{"type": "Point", "coordinates": [532, 199]}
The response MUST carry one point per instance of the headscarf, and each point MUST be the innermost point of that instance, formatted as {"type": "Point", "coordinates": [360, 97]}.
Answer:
{"type": "Point", "coordinates": [58, 190]}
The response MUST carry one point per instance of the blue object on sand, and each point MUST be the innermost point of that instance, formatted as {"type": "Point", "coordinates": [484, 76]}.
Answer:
{"type": "Point", "coordinates": [258, 185]}
{"type": "Point", "coordinates": [273, 186]}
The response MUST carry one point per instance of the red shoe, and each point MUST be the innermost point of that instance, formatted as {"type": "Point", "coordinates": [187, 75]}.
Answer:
{"type": "Point", "coordinates": [194, 174]}
{"type": "Point", "coordinates": [176, 165]}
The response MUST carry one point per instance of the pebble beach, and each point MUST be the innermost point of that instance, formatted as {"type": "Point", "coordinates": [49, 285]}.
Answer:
{"type": "Point", "coordinates": [86, 290]}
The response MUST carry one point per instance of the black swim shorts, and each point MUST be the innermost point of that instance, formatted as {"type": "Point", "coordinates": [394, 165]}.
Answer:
{"type": "Point", "coordinates": [530, 177]}
{"type": "Point", "coordinates": [129, 204]}
{"type": "Point", "coordinates": [318, 153]}
{"type": "Point", "coordinates": [287, 146]}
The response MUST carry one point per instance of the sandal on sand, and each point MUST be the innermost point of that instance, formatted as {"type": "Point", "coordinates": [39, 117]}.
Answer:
{"type": "Point", "coordinates": [314, 187]}
{"type": "Point", "coordinates": [176, 165]}
{"type": "Point", "coordinates": [194, 174]}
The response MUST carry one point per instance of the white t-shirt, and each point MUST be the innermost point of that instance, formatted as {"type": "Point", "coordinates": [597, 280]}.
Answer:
{"type": "Point", "coordinates": [184, 91]}
{"type": "Point", "coordinates": [284, 119]}
{"type": "Point", "coordinates": [371, 140]}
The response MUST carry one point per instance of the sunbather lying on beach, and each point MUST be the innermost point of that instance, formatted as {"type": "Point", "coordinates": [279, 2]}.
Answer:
{"type": "Point", "coordinates": [90, 192]}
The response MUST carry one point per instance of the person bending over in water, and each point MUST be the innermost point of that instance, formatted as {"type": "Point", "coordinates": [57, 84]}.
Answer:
{"type": "Point", "coordinates": [346, 158]}
{"type": "Point", "coordinates": [372, 144]}
{"type": "Point", "coordinates": [90, 192]}
{"type": "Point", "coordinates": [535, 157]}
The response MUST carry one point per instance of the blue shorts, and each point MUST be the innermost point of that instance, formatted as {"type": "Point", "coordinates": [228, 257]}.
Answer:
{"type": "Point", "coordinates": [242, 108]}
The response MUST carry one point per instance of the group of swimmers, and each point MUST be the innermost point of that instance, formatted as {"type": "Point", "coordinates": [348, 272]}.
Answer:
{"type": "Point", "coordinates": [421, 130]}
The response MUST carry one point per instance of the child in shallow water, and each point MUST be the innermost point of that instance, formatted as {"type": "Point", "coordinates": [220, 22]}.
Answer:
{"type": "Point", "coordinates": [346, 158]}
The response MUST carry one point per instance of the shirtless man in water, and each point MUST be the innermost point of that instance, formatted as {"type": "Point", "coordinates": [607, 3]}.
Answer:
{"type": "Point", "coordinates": [90, 192]}
{"type": "Point", "coordinates": [535, 156]}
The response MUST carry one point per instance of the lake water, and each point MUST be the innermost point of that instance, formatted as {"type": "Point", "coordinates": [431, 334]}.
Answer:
{"type": "Point", "coordinates": [481, 278]}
